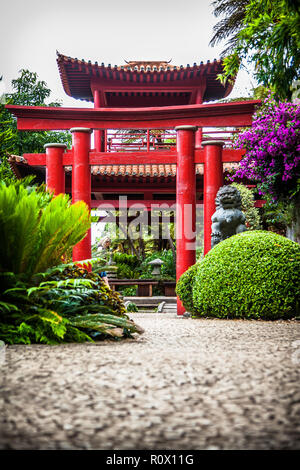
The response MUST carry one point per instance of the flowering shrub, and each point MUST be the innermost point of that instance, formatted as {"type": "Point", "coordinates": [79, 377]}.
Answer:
{"type": "Point", "coordinates": [272, 150]}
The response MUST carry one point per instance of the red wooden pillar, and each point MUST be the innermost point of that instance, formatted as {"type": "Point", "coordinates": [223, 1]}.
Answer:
{"type": "Point", "coordinates": [185, 203]}
{"type": "Point", "coordinates": [199, 100]}
{"type": "Point", "coordinates": [55, 173]}
{"type": "Point", "coordinates": [213, 180]}
{"type": "Point", "coordinates": [99, 134]}
{"type": "Point", "coordinates": [81, 183]}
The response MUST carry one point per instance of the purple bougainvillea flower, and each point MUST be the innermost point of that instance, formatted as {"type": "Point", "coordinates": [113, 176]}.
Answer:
{"type": "Point", "coordinates": [272, 146]}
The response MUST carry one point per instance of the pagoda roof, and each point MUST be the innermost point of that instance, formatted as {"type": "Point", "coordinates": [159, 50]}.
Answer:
{"type": "Point", "coordinates": [77, 75]}
{"type": "Point", "coordinates": [21, 168]}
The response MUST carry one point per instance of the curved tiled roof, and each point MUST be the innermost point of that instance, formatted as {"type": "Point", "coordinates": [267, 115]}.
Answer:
{"type": "Point", "coordinates": [76, 75]}
{"type": "Point", "coordinates": [150, 170]}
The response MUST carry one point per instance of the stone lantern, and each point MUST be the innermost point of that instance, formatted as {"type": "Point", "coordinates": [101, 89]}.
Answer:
{"type": "Point", "coordinates": [156, 265]}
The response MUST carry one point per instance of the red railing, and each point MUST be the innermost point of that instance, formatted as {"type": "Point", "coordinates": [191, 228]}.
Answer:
{"type": "Point", "coordinates": [152, 139]}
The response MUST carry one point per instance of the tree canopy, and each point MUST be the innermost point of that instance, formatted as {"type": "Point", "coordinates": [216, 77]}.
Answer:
{"type": "Point", "coordinates": [267, 34]}
{"type": "Point", "coordinates": [28, 90]}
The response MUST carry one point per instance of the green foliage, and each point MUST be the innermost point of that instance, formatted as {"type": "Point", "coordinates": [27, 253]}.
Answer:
{"type": "Point", "coordinates": [6, 144]}
{"type": "Point", "coordinates": [100, 292]}
{"type": "Point", "coordinates": [168, 269]}
{"type": "Point", "coordinates": [123, 258]}
{"type": "Point", "coordinates": [269, 37]}
{"type": "Point", "coordinates": [42, 301]}
{"type": "Point", "coordinates": [127, 265]}
{"type": "Point", "coordinates": [228, 27]}
{"type": "Point", "coordinates": [6, 147]}
{"type": "Point", "coordinates": [36, 229]}
{"type": "Point", "coordinates": [129, 291]}
{"type": "Point", "coordinates": [28, 91]}
{"type": "Point", "coordinates": [184, 288]}
{"type": "Point", "coordinates": [126, 272]}
{"type": "Point", "coordinates": [277, 214]}
{"type": "Point", "coordinates": [248, 208]}
{"type": "Point", "coordinates": [254, 274]}
{"type": "Point", "coordinates": [69, 304]}
{"type": "Point", "coordinates": [132, 307]}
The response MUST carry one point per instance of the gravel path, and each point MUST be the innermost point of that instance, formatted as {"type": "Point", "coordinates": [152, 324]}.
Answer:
{"type": "Point", "coordinates": [184, 384]}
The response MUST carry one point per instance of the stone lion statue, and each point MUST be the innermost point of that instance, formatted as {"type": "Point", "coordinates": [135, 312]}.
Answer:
{"type": "Point", "coordinates": [228, 218]}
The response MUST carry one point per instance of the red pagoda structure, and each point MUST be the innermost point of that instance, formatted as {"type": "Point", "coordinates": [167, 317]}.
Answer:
{"type": "Point", "coordinates": [148, 121]}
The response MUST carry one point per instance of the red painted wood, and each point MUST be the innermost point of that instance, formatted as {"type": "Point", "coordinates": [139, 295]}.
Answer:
{"type": "Point", "coordinates": [213, 180]}
{"type": "Point", "coordinates": [134, 158]}
{"type": "Point", "coordinates": [79, 78]}
{"type": "Point", "coordinates": [186, 204]}
{"type": "Point", "coordinates": [228, 155]}
{"type": "Point", "coordinates": [81, 186]}
{"type": "Point", "coordinates": [144, 203]}
{"type": "Point", "coordinates": [124, 188]}
{"type": "Point", "coordinates": [39, 124]}
{"type": "Point", "coordinates": [35, 159]}
{"type": "Point", "coordinates": [147, 203]}
{"type": "Point", "coordinates": [55, 174]}
{"type": "Point", "coordinates": [97, 133]}
{"type": "Point", "coordinates": [46, 118]}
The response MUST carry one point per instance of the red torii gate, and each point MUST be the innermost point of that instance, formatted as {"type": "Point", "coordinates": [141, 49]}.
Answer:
{"type": "Point", "coordinates": [186, 119]}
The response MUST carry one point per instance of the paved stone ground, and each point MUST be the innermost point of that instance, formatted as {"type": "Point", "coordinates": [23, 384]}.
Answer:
{"type": "Point", "coordinates": [184, 384]}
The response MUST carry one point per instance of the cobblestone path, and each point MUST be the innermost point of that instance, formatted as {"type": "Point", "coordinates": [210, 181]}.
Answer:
{"type": "Point", "coordinates": [184, 384]}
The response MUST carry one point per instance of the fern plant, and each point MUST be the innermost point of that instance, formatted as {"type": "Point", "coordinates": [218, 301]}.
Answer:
{"type": "Point", "coordinates": [40, 299]}
{"type": "Point", "coordinates": [62, 308]}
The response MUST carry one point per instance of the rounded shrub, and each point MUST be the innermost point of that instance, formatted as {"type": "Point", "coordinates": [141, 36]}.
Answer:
{"type": "Point", "coordinates": [254, 274]}
{"type": "Point", "coordinates": [184, 288]}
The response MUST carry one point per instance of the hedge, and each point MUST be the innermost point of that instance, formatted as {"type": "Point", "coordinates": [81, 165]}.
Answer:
{"type": "Point", "coordinates": [255, 274]}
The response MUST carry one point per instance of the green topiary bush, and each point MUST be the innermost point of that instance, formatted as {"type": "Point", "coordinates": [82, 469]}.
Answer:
{"type": "Point", "coordinates": [184, 288]}
{"type": "Point", "coordinates": [254, 274]}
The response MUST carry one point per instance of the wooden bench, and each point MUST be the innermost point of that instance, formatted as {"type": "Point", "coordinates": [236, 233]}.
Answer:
{"type": "Point", "coordinates": [145, 286]}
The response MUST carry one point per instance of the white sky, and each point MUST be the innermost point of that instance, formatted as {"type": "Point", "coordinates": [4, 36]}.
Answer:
{"type": "Point", "coordinates": [106, 31]}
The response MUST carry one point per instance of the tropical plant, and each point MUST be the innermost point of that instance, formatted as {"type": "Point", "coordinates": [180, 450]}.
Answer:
{"type": "Point", "coordinates": [255, 274]}
{"type": "Point", "coordinates": [69, 304]}
{"type": "Point", "coordinates": [269, 38]}
{"type": "Point", "coordinates": [36, 229]}
{"type": "Point", "coordinates": [40, 299]}
{"type": "Point", "coordinates": [234, 12]}
{"type": "Point", "coordinates": [127, 265]}
{"type": "Point", "coordinates": [124, 258]}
